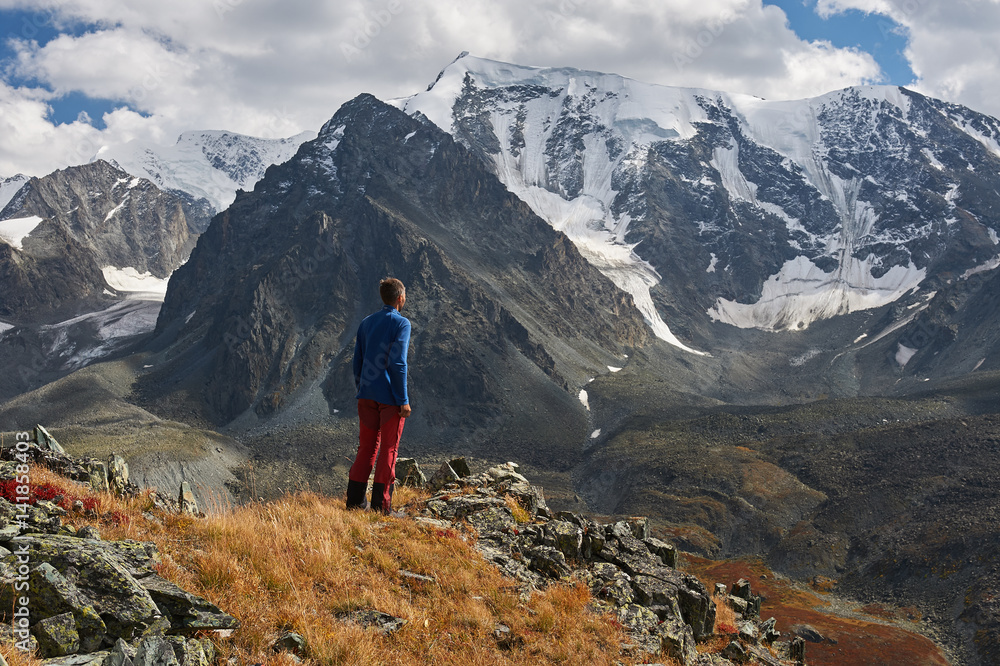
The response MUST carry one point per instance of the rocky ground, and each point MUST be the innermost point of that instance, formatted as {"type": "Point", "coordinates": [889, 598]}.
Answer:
{"type": "Point", "coordinates": [86, 600]}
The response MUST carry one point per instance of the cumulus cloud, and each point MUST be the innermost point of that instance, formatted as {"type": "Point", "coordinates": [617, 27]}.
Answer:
{"type": "Point", "coordinates": [952, 46]}
{"type": "Point", "coordinates": [272, 68]}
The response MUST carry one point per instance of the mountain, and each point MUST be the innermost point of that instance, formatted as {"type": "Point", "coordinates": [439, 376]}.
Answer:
{"type": "Point", "coordinates": [508, 317]}
{"type": "Point", "coordinates": [9, 187]}
{"type": "Point", "coordinates": [209, 165]}
{"type": "Point", "coordinates": [84, 257]}
{"type": "Point", "coordinates": [717, 210]}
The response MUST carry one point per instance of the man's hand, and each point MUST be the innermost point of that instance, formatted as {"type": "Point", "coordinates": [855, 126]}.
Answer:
{"type": "Point", "coordinates": [404, 411]}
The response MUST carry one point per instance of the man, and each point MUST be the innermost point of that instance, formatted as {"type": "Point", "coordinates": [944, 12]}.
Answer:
{"type": "Point", "coordinates": [383, 405]}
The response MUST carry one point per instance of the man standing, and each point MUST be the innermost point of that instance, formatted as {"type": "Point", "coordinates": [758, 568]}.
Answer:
{"type": "Point", "coordinates": [380, 376]}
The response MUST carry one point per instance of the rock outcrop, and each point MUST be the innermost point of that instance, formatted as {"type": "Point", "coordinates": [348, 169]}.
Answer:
{"type": "Point", "coordinates": [91, 601]}
{"type": "Point", "coordinates": [631, 574]}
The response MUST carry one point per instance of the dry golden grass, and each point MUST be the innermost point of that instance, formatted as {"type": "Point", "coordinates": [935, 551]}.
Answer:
{"type": "Point", "coordinates": [297, 562]}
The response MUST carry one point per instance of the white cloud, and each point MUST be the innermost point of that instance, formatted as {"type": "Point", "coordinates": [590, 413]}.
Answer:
{"type": "Point", "coordinates": [953, 46]}
{"type": "Point", "coordinates": [272, 68]}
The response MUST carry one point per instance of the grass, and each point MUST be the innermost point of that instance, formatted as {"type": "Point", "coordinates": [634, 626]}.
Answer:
{"type": "Point", "coordinates": [301, 561]}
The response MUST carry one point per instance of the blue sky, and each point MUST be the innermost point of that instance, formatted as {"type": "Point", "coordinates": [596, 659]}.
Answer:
{"type": "Point", "coordinates": [40, 27]}
{"type": "Point", "coordinates": [878, 35]}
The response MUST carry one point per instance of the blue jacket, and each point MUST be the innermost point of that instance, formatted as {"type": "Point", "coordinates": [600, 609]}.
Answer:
{"type": "Point", "coordinates": [380, 357]}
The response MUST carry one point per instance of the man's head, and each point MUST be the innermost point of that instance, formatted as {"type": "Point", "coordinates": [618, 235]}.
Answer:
{"type": "Point", "coordinates": [392, 292]}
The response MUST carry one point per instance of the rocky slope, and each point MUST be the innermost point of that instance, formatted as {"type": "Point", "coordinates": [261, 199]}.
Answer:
{"type": "Point", "coordinates": [84, 257]}
{"type": "Point", "coordinates": [84, 219]}
{"type": "Point", "coordinates": [718, 210]}
{"type": "Point", "coordinates": [507, 314]}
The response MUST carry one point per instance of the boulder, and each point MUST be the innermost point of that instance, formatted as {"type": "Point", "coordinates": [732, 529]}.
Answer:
{"type": "Point", "coordinates": [665, 551]}
{"type": "Point", "coordinates": [408, 473]}
{"type": "Point", "coordinates": [442, 477]}
{"type": "Point", "coordinates": [52, 594]}
{"type": "Point", "coordinates": [187, 612]}
{"type": "Point", "coordinates": [460, 467]}
{"type": "Point", "coordinates": [677, 640]}
{"type": "Point", "coordinates": [383, 622]}
{"type": "Point", "coordinates": [97, 473]}
{"type": "Point", "coordinates": [122, 654]}
{"type": "Point", "coordinates": [566, 537]}
{"type": "Point", "coordinates": [186, 501]}
{"type": "Point", "coordinates": [47, 441]}
{"type": "Point", "coordinates": [117, 474]}
{"type": "Point", "coordinates": [155, 651]}
{"type": "Point", "coordinates": [611, 583]}
{"type": "Point", "coordinates": [57, 635]}
{"type": "Point", "coordinates": [736, 653]}
{"type": "Point", "coordinates": [291, 642]}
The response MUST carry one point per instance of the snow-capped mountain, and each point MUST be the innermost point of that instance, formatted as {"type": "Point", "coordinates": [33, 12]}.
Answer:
{"type": "Point", "coordinates": [713, 207]}
{"type": "Point", "coordinates": [9, 187]}
{"type": "Point", "coordinates": [209, 165]}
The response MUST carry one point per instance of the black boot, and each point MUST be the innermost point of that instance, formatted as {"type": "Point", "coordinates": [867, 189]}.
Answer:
{"type": "Point", "coordinates": [356, 495]}
{"type": "Point", "coordinates": [379, 502]}
{"type": "Point", "coordinates": [378, 491]}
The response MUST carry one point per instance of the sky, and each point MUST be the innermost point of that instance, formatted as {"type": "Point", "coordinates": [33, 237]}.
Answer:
{"type": "Point", "coordinates": [76, 75]}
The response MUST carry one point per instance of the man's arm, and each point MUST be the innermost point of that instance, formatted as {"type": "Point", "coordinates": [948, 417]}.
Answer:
{"type": "Point", "coordinates": [359, 360]}
{"type": "Point", "coordinates": [397, 365]}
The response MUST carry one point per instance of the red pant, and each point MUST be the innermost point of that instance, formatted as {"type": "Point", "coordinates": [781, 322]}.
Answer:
{"type": "Point", "coordinates": [381, 428]}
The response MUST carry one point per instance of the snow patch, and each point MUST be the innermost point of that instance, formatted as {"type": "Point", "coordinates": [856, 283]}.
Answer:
{"type": "Point", "coordinates": [614, 369]}
{"type": "Point", "coordinates": [584, 399]}
{"type": "Point", "coordinates": [595, 434]}
{"type": "Point", "coordinates": [13, 232]}
{"type": "Point", "coordinates": [801, 360]}
{"type": "Point", "coordinates": [860, 338]}
{"type": "Point", "coordinates": [801, 293]}
{"type": "Point", "coordinates": [993, 236]}
{"type": "Point", "coordinates": [904, 354]}
{"type": "Point", "coordinates": [982, 268]}
{"type": "Point", "coordinates": [712, 264]}
{"type": "Point", "coordinates": [981, 361]}
{"type": "Point", "coordinates": [138, 286]}
{"type": "Point", "coordinates": [935, 162]}
{"type": "Point", "coordinates": [4, 327]}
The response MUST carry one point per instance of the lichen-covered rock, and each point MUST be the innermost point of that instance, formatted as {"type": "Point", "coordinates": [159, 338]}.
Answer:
{"type": "Point", "coordinates": [57, 635]}
{"type": "Point", "coordinates": [611, 583]}
{"type": "Point", "coordinates": [408, 473]}
{"type": "Point", "coordinates": [98, 476]}
{"type": "Point", "coordinates": [677, 640]}
{"type": "Point", "coordinates": [665, 551]}
{"type": "Point", "coordinates": [460, 467]}
{"type": "Point", "coordinates": [104, 571]}
{"type": "Point", "coordinates": [186, 501]}
{"type": "Point", "coordinates": [566, 537]}
{"type": "Point", "coordinates": [291, 642]}
{"type": "Point", "coordinates": [186, 611]}
{"type": "Point", "coordinates": [122, 654]}
{"type": "Point", "coordinates": [52, 594]}
{"type": "Point", "coordinates": [548, 561]}
{"type": "Point", "coordinates": [47, 441]}
{"type": "Point", "coordinates": [442, 477]}
{"type": "Point", "coordinates": [155, 651]}
{"type": "Point", "coordinates": [117, 474]}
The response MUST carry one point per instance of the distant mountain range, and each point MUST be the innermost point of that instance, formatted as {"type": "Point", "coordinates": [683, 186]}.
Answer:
{"type": "Point", "coordinates": [209, 165]}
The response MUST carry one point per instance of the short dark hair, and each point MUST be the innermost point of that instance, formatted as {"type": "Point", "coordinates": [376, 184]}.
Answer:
{"type": "Point", "coordinates": [390, 289]}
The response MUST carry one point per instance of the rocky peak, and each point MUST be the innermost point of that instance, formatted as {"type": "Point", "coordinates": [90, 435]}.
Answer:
{"type": "Point", "coordinates": [280, 281]}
